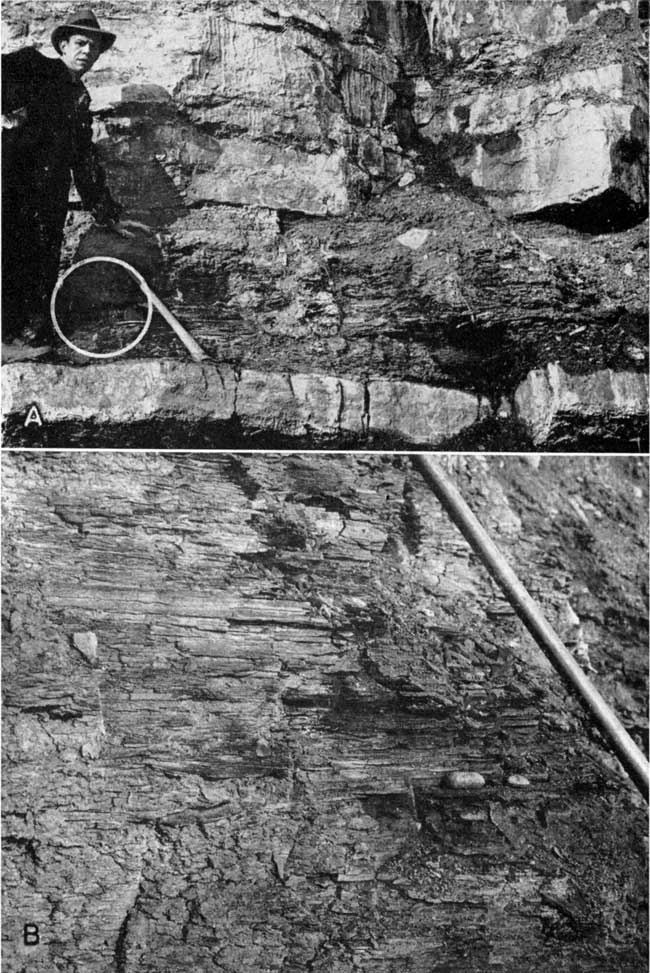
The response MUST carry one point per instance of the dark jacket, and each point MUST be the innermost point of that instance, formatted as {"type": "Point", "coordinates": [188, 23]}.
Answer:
{"type": "Point", "coordinates": [52, 138]}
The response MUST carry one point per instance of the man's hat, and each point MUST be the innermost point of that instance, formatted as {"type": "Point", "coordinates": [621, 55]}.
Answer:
{"type": "Point", "coordinates": [83, 22]}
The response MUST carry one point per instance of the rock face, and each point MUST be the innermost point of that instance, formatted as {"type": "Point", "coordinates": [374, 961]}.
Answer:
{"type": "Point", "coordinates": [249, 702]}
{"type": "Point", "coordinates": [329, 183]}
{"type": "Point", "coordinates": [287, 106]}
{"type": "Point", "coordinates": [547, 144]}
{"type": "Point", "coordinates": [299, 106]}
{"type": "Point", "coordinates": [578, 131]}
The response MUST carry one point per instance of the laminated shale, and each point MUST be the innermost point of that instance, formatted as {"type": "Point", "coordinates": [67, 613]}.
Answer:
{"type": "Point", "coordinates": [446, 194]}
{"type": "Point", "coordinates": [268, 713]}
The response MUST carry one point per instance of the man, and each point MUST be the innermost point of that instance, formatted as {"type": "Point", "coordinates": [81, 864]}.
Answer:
{"type": "Point", "coordinates": [47, 135]}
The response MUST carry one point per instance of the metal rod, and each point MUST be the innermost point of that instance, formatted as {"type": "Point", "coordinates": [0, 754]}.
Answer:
{"type": "Point", "coordinates": [531, 614]}
{"type": "Point", "coordinates": [195, 350]}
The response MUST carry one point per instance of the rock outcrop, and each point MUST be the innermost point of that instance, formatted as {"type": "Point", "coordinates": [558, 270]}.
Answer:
{"type": "Point", "coordinates": [301, 106]}
{"type": "Point", "coordinates": [315, 409]}
{"type": "Point", "coordinates": [289, 405]}
{"type": "Point", "coordinates": [549, 399]}
{"type": "Point", "coordinates": [249, 702]}
{"type": "Point", "coordinates": [283, 152]}
{"type": "Point", "coordinates": [546, 103]}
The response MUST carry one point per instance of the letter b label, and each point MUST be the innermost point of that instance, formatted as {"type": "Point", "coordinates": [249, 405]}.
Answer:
{"type": "Point", "coordinates": [30, 934]}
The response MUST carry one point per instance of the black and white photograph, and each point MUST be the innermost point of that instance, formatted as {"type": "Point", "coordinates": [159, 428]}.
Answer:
{"type": "Point", "coordinates": [372, 224]}
{"type": "Point", "coordinates": [324, 486]}
{"type": "Point", "coordinates": [275, 713]}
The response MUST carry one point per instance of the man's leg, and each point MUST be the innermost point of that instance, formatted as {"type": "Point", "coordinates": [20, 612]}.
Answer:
{"type": "Point", "coordinates": [30, 265]}
{"type": "Point", "coordinates": [20, 242]}
{"type": "Point", "coordinates": [50, 233]}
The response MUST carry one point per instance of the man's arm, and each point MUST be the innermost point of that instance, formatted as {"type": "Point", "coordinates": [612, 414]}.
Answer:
{"type": "Point", "coordinates": [89, 175]}
{"type": "Point", "coordinates": [20, 70]}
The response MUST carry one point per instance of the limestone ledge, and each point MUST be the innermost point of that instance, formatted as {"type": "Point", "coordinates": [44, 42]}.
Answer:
{"type": "Point", "coordinates": [286, 404]}
{"type": "Point", "coordinates": [549, 397]}
{"type": "Point", "coordinates": [300, 404]}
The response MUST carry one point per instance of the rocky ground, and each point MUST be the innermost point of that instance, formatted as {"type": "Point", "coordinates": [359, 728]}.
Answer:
{"type": "Point", "coordinates": [234, 689]}
{"type": "Point", "coordinates": [448, 195]}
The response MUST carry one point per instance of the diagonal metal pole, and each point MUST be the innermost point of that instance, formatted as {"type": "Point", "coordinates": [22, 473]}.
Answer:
{"type": "Point", "coordinates": [531, 615]}
{"type": "Point", "coordinates": [194, 348]}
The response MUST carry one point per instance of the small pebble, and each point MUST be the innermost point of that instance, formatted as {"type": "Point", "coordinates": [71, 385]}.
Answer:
{"type": "Point", "coordinates": [518, 780]}
{"type": "Point", "coordinates": [91, 751]}
{"type": "Point", "coordinates": [458, 779]}
{"type": "Point", "coordinates": [336, 344]}
{"type": "Point", "coordinates": [86, 643]}
{"type": "Point", "coordinates": [505, 410]}
{"type": "Point", "coordinates": [413, 239]}
{"type": "Point", "coordinates": [262, 747]}
{"type": "Point", "coordinates": [473, 816]}
{"type": "Point", "coordinates": [406, 179]}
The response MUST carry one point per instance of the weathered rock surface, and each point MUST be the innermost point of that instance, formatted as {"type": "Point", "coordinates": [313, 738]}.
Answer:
{"type": "Point", "coordinates": [294, 109]}
{"type": "Point", "coordinates": [546, 103]}
{"type": "Point", "coordinates": [553, 409]}
{"type": "Point", "coordinates": [546, 145]}
{"type": "Point", "coordinates": [289, 105]}
{"type": "Point", "coordinates": [288, 405]}
{"type": "Point", "coordinates": [292, 652]}
{"type": "Point", "coordinates": [283, 153]}
{"type": "Point", "coordinates": [279, 105]}
{"type": "Point", "coordinates": [549, 399]}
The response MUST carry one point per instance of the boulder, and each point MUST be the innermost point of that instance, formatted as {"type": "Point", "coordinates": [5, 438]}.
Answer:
{"type": "Point", "coordinates": [252, 174]}
{"type": "Point", "coordinates": [549, 398]}
{"type": "Point", "coordinates": [566, 141]}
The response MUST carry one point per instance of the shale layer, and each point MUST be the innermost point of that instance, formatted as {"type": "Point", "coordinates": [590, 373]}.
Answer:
{"type": "Point", "coordinates": [235, 689]}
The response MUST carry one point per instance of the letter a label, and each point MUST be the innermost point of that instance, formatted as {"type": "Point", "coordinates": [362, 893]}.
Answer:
{"type": "Point", "coordinates": [33, 416]}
